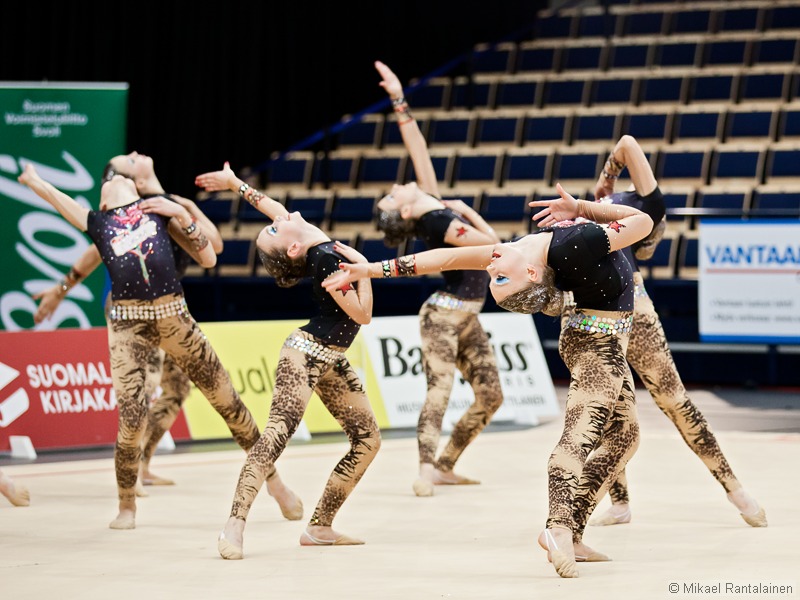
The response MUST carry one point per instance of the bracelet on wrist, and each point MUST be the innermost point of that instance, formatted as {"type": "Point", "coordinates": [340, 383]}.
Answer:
{"type": "Point", "coordinates": [243, 189]}
{"type": "Point", "coordinates": [65, 286]}
{"type": "Point", "coordinates": [191, 228]}
{"type": "Point", "coordinates": [396, 102]}
{"type": "Point", "coordinates": [608, 175]}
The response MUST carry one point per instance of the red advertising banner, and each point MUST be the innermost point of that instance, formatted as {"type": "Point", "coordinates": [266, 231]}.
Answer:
{"type": "Point", "coordinates": [56, 388]}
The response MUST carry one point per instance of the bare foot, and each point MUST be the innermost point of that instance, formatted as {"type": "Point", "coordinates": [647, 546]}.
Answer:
{"type": "Point", "coordinates": [290, 503]}
{"type": "Point", "coordinates": [317, 535]}
{"type": "Point", "coordinates": [126, 519]}
{"type": "Point", "coordinates": [16, 493]}
{"type": "Point", "coordinates": [618, 514]}
{"type": "Point", "coordinates": [558, 543]}
{"type": "Point", "coordinates": [231, 541]}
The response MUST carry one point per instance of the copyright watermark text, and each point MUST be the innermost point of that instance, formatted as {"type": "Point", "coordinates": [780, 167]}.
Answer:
{"type": "Point", "coordinates": [732, 588]}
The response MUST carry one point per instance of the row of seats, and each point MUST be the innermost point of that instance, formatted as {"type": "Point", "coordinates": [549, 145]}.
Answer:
{"type": "Point", "coordinates": [638, 87]}
{"type": "Point", "coordinates": [699, 163]}
{"type": "Point", "coordinates": [720, 122]}
{"type": "Point", "coordinates": [613, 54]}
{"type": "Point", "coordinates": [351, 213]}
{"type": "Point", "coordinates": [667, 18]}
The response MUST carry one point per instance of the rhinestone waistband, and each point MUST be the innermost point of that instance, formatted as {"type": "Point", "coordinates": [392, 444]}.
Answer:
{"type": "Point", "coordinates": [120, 312]}
{"type": "Point", "coordinates": [594, 324]}
{"type": "Point", "coordinates": [313, 348]}
{"type": "Point", "coordinates": [454, 303]}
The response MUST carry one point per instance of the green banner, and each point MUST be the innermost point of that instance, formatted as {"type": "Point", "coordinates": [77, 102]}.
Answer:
{"type": "Point", "coordinates": [68, 131]}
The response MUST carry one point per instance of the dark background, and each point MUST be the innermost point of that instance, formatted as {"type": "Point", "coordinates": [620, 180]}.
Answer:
{"type": "Point", "coordinates": [239, 80]}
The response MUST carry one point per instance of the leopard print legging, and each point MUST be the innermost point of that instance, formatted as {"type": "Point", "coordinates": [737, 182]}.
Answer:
{"type": "Point", "coordinates": [601, 431]}
{"type": "Point", "coordinates": [340, 389]}
{"type": "Point", "coordinates": [135, 368]}
{"type": "Point", "coordinates": [454, 339]}
{"type": "Point", "coordinates": [650, 357]}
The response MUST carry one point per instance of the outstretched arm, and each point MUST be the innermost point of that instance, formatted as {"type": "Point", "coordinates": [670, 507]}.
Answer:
{"type": "Point", "coordinates": [479, 232]}
{"type": "Point", "coordinates": [413, 139]}
{"type": "Point", "coordinates": [183, 229]}
{"type": "Point", "coordinates": [411, 265]}
{"type": "Point", "coordinates": [73, 212]}
{"type": "Point", "coordinates": [208, 228]}
{"type": "Point", "coordinates": [226, 179]}
{"type": "Point", "coordinates": [625, 225]}
{"type": "Point", "coordinates": [50, 298]}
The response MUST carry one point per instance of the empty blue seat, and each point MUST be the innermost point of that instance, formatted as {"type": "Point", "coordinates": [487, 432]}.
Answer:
{"type": "Point", "coordinates": [783, 17]}
{"type": "Point", "coordinates": [678, 199]}
{"type": "Point", "coordinates": [725, 52]}
{"type": "Point", "coordinates": [625, 54]}
{"type": "Point", "coordinates": [538, 58]}
{"type": "Point", "coordinates": [691, 20]}
{"type": "Point", "coordinates": [546, 128]}
{"type": "Point", "coordinates": [783, 163]}
{"type": "Point", "coordinates": [392, 138]}
{"type": "Point", "coordinates": [740, 18]}
{"type": "Point", "coordinates": [668, 89]}
{"type": "Point", "coordinates": [250, 214]}
{"type": "Point", "coordinates": [443, 160]}
{"type": "Point", "coordinates": [505, 209]}
{"type": "Point", "coordinates": [671, 53]}
{"type": "Point", "coordinates": [789, 123]}
{"type": "Point", "coordinates": [651, 125]}
{"type": "Point", "coordinates": [560, 92]}
{"type": "Point", "coordinates": [381, 168]}
{"type": "Point", "coordinates": [478, 167]}
{"type": "Point", "coordinates": [493, 58]}
{"type": "Point", "coordinates": [452, 129]}
{"type": "Point", "coordinates": [499, 127]}
{"type": "Point", "coordinates": [662, 263]}
{"type": "Point", "coordinates": [698, 124]}
{"type": "Point", "coordinates": [769, 50]}
{"type": "Point", "coordinates": [527, 168]}
{"type": "Point", "coordinates": [725, 202]}
{"type": "Point", "coordinates": [577, 167]}
{"type": "Point", "coordinates": [434, 94]}
{"type": "Point", "coordinates": [352, 208]}
{"type": "Point", "coordinates": [365, 132]}
{"type": "Point", "coordinates": [588, 56]}
{"type": "Point", "coordinates": [518, 92]}
{"type": "Point", "coordinates": [643, 23]}
{"type": "Point", "coordinates": [290, 171]}
{"type": "Point", "coordinates": [688, 255]}
{"type": "Point", "coordinates": [472, 93]}
{"type": "Point", "coordinates": [712, 88]}
{"type": "Point", "coordinates": [751, 122]}
{"type": "Point", "coordinates": [771, 86]}
{"type": "Point", "coordinates": [335, 169]}
{"type": "Point", "coordinates": [678, 164]}
{"type": "Point", "coordinates": [613, 90]}
{"type": "Point", "coordinates": [594, 22]}
{"type": "Point", "coordinates": [595, 127]}
{"type": "Point", "coordinates": [738, 164]}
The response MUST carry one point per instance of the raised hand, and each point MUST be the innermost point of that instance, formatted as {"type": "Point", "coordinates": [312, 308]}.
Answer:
{"type": "Point", "coordinates": [49, 300]}
{"type": "Point", "coordinates": [215, 181]}
{"type": "Point", "coordinates": [390, 81]}
{"type": "Point", "coordinates": [558, 209]}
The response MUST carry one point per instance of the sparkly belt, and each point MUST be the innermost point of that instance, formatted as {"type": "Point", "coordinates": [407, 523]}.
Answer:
{"type": "Point", "coordinates": [453, 303]}
{"type": "Point", "coordinates": [121, 312]}
{"type": "Point", "coordinates": [594, 324]}
{"type": "Point", "coordinates": [313, 348]}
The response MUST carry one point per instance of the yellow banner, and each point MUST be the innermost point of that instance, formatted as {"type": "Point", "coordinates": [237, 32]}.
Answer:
{"type": "Point", "coordinates": [249, 350]}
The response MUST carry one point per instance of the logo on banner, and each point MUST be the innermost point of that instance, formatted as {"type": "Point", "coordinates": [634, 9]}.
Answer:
{"type": "Point", "coordinates": [17, 403]}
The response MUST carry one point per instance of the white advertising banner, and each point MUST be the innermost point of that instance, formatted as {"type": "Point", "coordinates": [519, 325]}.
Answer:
{"type": "Point", "coordinates": [393, 344]}
{"type": "Point", "coordinates": [749, 286]}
